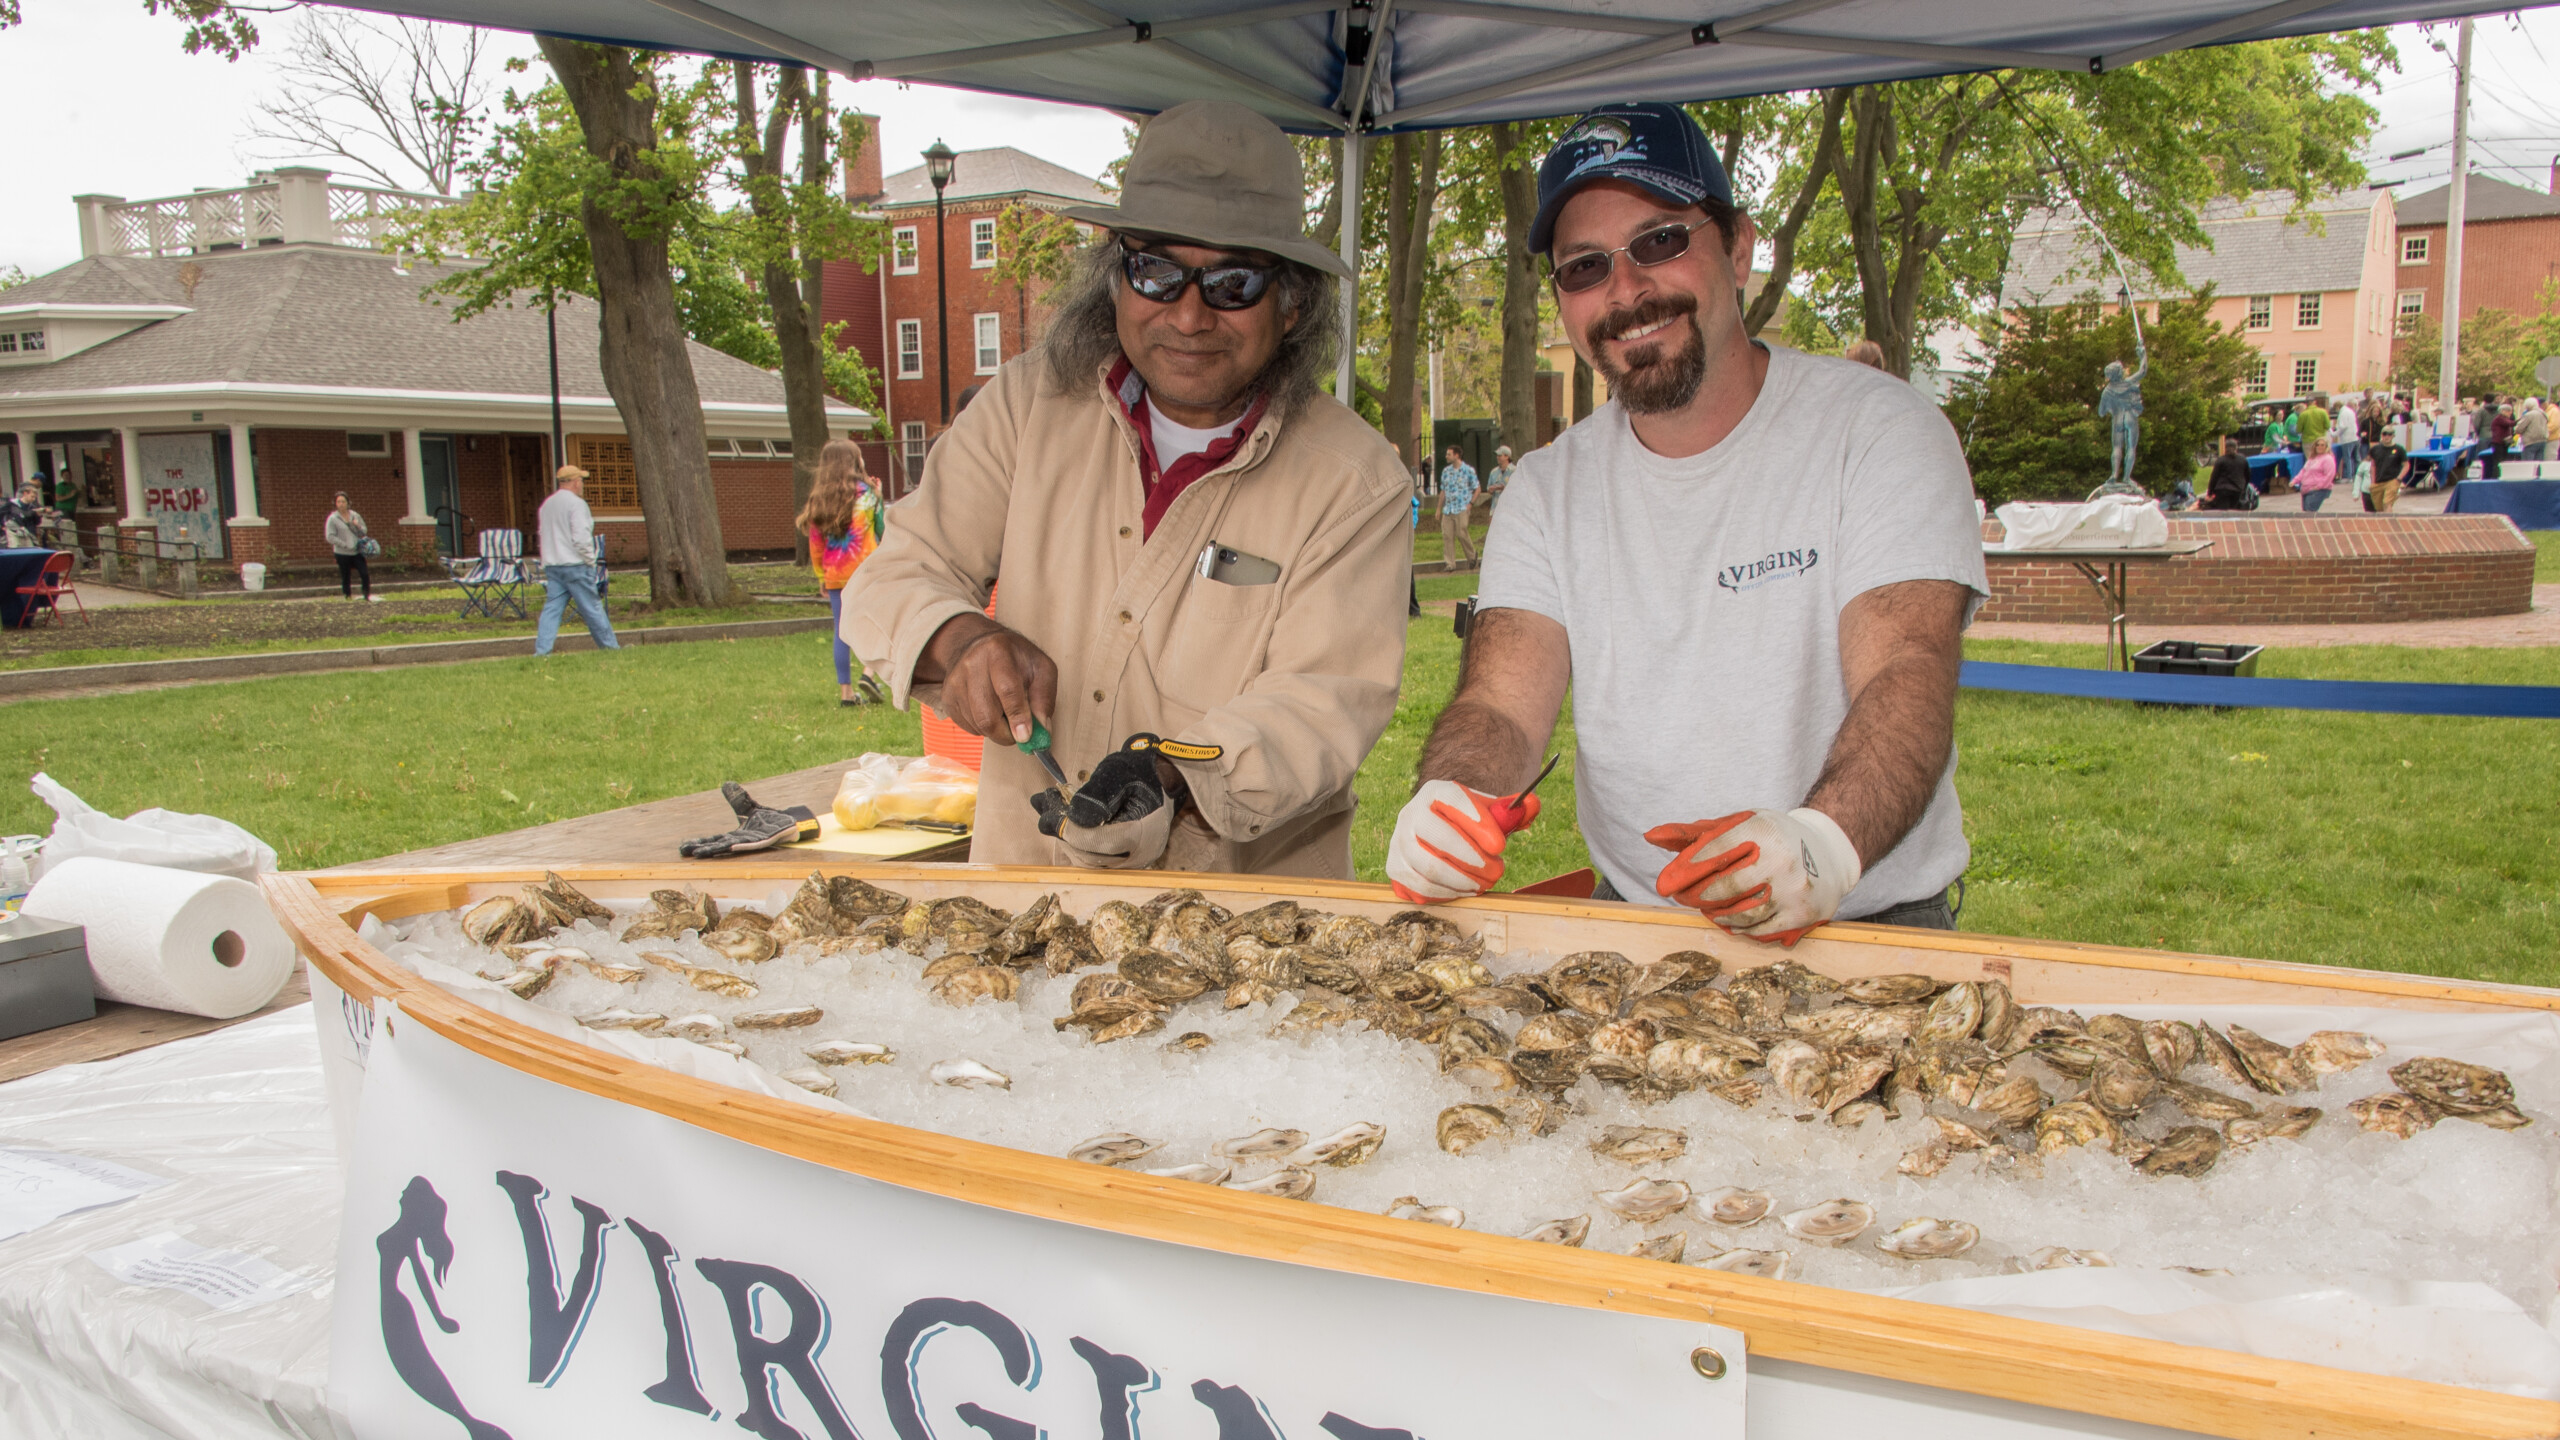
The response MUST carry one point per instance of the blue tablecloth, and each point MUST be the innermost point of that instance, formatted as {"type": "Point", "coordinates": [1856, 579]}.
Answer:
{"type": "Point", "coordinates": [18, 567]}
{"type": "Point", "coordinates": [2262, 468]}
{"type": "Point", "coordinates": [2436, 462]}
{"type": "Point", "coordinates": [2532, 504]}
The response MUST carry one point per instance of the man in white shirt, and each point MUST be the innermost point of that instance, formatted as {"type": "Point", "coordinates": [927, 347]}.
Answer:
{"type": "Point", "coordinates": [570, 574]}
{"type": "Point", "coordinates": [1763, 659]}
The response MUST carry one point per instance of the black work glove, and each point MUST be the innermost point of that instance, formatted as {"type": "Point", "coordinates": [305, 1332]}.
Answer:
{"type": "Point", "coordinates": [760, 827]}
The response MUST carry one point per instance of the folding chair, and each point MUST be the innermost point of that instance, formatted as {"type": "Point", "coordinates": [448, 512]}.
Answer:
{"type": "Point", "coordinates": [492, 584]}
{"type": "Point", "coordinates": [52, 583]}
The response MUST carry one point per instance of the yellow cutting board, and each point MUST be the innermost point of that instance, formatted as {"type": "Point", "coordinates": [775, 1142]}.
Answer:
{"type": "Point", "coordinates": [879, 844]}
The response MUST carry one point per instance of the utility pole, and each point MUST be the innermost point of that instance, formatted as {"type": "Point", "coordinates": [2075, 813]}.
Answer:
{"type": "Point", "coordinates": [1346, 375]}
{"type": "Point", "coordinates": [2448, 368]}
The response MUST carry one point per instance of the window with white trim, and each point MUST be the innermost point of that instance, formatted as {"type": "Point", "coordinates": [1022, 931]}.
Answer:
{"type": "Point", "coordinates": [2306, 374]}
{"type": "Point", "coordinates": [902, 250]}
{"type": "Point", "coordinates": [8, 342]}
{"type": "Point", "coordinates": [990, 343]}
{"type": "Point", "coordinates": [371, 443]}
{"type": "Point", "coordinates": [910, 349]}
{"type": "Point", "coordinates": [982, 244]}
{"type": "Point", "coordinates": [911, 440]}
{"type": "Point", "coordinates": [2306, 312]}
{"type": "Point", "coordinates": [2257, 376]}
{"type": "Point", "coordinates": [2262, 312]}
{"type": "Point", "coordinates": [2413, 303]}
{"type": "Point", "coordinates": [2413, 249]}
{"type": "Point", "coordinates": [30, 342]}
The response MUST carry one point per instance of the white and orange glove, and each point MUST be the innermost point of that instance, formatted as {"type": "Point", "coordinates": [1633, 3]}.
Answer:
{"type": "Point", "coordinates": [1770, 875]}
{"type": "Point", "coordinates": [1449, 839]}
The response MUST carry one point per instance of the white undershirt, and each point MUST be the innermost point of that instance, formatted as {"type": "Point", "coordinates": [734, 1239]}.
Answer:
{"type": "Point", "coordinates": [1174, 441]}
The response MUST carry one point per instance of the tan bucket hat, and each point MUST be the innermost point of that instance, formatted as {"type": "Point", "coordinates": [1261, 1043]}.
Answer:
{"type": "Point", "coordinates": [1215, 173]}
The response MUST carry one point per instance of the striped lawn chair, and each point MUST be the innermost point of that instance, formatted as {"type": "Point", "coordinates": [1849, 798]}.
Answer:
{"type": "Point", "coordinates": [493, 583]}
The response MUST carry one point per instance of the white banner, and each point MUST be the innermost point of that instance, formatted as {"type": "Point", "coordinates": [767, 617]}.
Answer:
{"type": "Point", "coordinates": [180, 489]}
{"type": "Point", "coordinates": [521, 1259]}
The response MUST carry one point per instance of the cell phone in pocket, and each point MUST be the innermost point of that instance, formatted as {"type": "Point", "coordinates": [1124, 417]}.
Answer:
{"type": "Point", "coordinates": [1229, 566]}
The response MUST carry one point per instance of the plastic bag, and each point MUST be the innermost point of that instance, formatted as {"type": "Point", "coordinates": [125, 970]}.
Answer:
{"type": "Point", "coordinates": [885, 789]}
{"type": "Point", "coordinates": [147, 837]}
{"type": "Point", "coordinates": [2110, 522]}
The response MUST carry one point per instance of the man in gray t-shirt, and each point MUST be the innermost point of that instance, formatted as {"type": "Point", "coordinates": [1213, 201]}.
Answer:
{"type": "Point", "coordinates": [1752, 566]}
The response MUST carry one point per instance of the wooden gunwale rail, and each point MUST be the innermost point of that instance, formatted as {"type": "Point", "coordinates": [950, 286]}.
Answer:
{"type": "Point", "coordinates": [2193, 1388]}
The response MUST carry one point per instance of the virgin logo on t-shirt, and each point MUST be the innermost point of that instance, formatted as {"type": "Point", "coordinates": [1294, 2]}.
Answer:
{"type": "Point", "coordinates": [1777, 565]}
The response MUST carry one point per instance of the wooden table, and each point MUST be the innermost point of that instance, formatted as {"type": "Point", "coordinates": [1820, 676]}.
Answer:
{"type": "Point", "coordinates": [2104, 570]}
{"type": "Point", "coordinates": [632, 833]}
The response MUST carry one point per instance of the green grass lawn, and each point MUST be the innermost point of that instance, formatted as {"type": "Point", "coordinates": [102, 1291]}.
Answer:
{"type": "Point", "coordinates": [2546, 556]}
{"type": "Point", "coordinates": [2399, 842]}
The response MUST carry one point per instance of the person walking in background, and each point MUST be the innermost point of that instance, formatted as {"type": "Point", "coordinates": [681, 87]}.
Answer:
{"type": "Point", "coordinates": [843, 522]}
{"type": "Point", "coordinates": [347, 540]}
{"type": "Point", "coordinates": [2319, 476]}
{"type": "Point", "coordinates": [1867, 353]}
{"type": "Point", "coordinates": [2501, 430]}
{"type": "Point", "coordinates": [570, 574]}
{"type": "Point", "coordinates": [2533, 432]}
{"type": "Point", "coordinates": [1498, 476]}
{"type": "Point", "coordinates": [1413, 585]}
{"type": "Point", "coordinates": [2386, 471]}
{"type": "Point", "coordinates": [2228, 488]}
{"type": "Point", "coordinates": [1457, 498]}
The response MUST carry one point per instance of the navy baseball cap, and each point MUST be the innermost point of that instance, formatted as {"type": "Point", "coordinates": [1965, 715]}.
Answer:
{"type": "Point", "coordinates": [1653, 146]}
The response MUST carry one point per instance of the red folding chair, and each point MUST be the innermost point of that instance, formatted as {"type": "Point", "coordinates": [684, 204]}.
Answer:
{"type": "Point", "coordinates": [51, 585]}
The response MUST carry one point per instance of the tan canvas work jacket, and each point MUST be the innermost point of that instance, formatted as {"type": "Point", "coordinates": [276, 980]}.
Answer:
{"type": "Point", "coordinates": [1295, 679]}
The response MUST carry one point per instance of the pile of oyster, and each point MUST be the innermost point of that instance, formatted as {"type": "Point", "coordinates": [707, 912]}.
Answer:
{"type": "Point", "coordinates": [1822, 1049]}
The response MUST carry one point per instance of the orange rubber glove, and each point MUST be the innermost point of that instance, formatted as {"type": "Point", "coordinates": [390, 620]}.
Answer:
{"type": "Point", "coordinates": [1769, 875]}
{"type": "Point", "coordinates": [1448, 841]}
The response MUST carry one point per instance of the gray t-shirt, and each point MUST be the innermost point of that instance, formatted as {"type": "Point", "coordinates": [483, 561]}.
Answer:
{"type": "Point", "coordinates": [1702, 599]}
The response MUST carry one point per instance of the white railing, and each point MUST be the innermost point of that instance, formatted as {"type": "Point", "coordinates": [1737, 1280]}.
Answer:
{"type": "Point", "coordinates": [299, 205]}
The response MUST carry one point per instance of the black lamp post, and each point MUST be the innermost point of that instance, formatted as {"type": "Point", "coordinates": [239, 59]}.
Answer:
{"type": "Point", "coordinates": [938, 163]}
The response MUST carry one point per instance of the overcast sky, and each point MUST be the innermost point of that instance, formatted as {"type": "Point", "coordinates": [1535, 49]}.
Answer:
{"type": "Point", "coordinates": [108, 103]}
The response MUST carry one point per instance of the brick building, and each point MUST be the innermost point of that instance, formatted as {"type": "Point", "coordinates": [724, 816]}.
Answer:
{"type": "Point", "coordinates": [2312, 294]}
{"type": "Point", "coordinates": [217, 365]}
{"type": "Point", "coordinates": [2510, 248]}
{"type": "Point", "coordinates": [991, 319]}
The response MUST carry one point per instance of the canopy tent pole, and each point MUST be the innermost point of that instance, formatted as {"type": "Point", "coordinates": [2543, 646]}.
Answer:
{"type": "Point", "coordinates": [1346, 375]}
{"type": "Point", "coordinates": [2448, 365]}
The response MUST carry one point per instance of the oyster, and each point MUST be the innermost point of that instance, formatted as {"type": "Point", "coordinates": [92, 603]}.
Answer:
{"type": "Point", "coordinates": [968, 1075]}
{"type": "Point", "coordinates": [1955, 1015]}
{"type": "Point", "coordinates": [788, 1017]}
{"type": "Point", "coordinates": [1289, 1182]}
{"type": "Point", "coordinates": [2217, 1052]}
{"type": "Point", "coordinates": [1164, 977]}
{"type": "Point", "coordinates": [971, 984]}
{"type": "Point", "coordinates": [2000, 1014]}
{"type": "Point", "coordinates": [700, 977]}
{"type": "Point", "coordinates": [2270, 1065]}
{"type": "Point", "coordinates": [618, 1018]}
{"type": "Point", "coordinates": [1642, 1202]}
{"type": "Point", "coordinates": [2170, 1046]}
{"type": "Point", "coordinates": [2281, 1122]}
{"type": "Point", "coordinates": [1767, 1264]}
{"type": "Point", "coordinates": [1191, 1041]}
{"type": "Point", "coordinates": [1700, 967]}
{"type": "Point", "coordinates": [1922, 1238]}
{"type": "Point", "coordinates": [1668, 1248]}
{"type": "Point", "coordinates": [1347, 1146]}
{"type": "Point", "coordinates": [1833, 1222]}
{"type": "Point", "coordinates": [1798, 1069]}
{"type": "Point", "coordinates": [1408, 1207]}
{"type": "Point", "coordinates": [559, 898]}
{"type": "Point", "coordinates": [1274, 924]}
{"type": "Point", "coordinates": [1260, 1145]}
{"type": "Point", "coordinates": [1467, 1038]}
{"type": "Point", "coordinates": [2203, 1102]}
{"type": "Point", "coordinates": [1851, 1075]}
{"type": "Point", "coordinates": [860, 899]}
{"type": "Point", "coordinates": [850, 1052]}
{"type": "Point", "coordinates": [1561, 1031]}
{"type": "Point", "coordinates": [1118, 929]}
{"type": "Point", "coordinates": [1640, 1144]}
{"type": "Point", "coordinates": [501, 921]}
{"type": "Point", "coordinates": [2188, 1150]}
{"type": "Point", "coordinates": [602, 970]}
{"type": "Point", "coordinates": [2334, 1052]}
{"type": "Point", "coordinates": [1925, 1160]}
{"type": "Point", "coordinates": [2450, 1087]}
{"type": "Point", "coordinates": [1197, 1174]}
{"type": "Point", "coordinates": [816, 1082]}
{"type": "Point", "coordinates": [1463, 1127]}
{"type": "Point", "coordinates": [1309, 1016]}
{"type": "Point", "coordinates": [1684, 1061]}
{"type": "Point", "coordinates": [697, 1028]}
{"type": "Point", "coordinates": [2072, 1123]}
{"type": "Point", "coordinates": [1554, 1069]}
{"type": "Point", "coordinates": [1117, 1148]}
{"type": "Point", "coordinates": [1560, 1232]}
{"type": "Point", "coordinates": [2120, 1033]}
{"type": "Point", "coordinates": [1859, 1024]}
{"type": "Point", "coordinates": [1515, 998]}
{"type": "Point", "coordinates": [2058, 1257]}
{"type": "Point", "coordinates": [1857, 1113]}
{"type": "Point", "coordinates": [1484, 1072]}
{"type": "Point", "coordinates": [529, 981]}
{"type": "Point", "coordinates": [1889, 989]}
{"type": "Point", "coordinates": [2393, 1112]}
{"type": "Point", "coordinates": [2014, 1102]}
{"type": "Point", "coordinates": [747, 947]}
{"type": "Point", "coordinates": [2121, 1087]}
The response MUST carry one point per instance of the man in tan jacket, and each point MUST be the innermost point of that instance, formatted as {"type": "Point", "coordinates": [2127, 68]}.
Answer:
{"type": "Point", "coordinates": [1199, 550]}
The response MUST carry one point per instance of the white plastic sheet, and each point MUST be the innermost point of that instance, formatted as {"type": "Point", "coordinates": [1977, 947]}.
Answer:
{"type": "Point", "coordinates": [147, 837]}
{"type": "Point", "coordinates": [2110, 522]}
{"type": "Point", "coordinates": [236, 1122]}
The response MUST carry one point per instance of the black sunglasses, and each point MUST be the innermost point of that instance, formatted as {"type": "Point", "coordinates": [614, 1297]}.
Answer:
{"type": "Point", "coordinates": [1666, 242]}
{"type": "Point", "coordinates": [1227, 285]}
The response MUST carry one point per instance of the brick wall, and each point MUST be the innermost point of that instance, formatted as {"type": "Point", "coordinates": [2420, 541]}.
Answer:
{"type": "Point", "coordinates": [299, 471]}
{"type": "Point", "coordinates": [2504, 264]}
{"type": "Point", "coordinates": [973, 291]}
{"type": "Point", "coordinates": [2312, 570]}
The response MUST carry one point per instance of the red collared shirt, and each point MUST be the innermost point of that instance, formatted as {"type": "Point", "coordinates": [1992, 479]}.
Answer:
{"type": "Point", "coordinates": [1164, 484]}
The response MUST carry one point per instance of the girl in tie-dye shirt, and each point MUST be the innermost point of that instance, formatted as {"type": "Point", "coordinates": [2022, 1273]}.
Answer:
{"type": "Point", "coordinates": [844, 523]}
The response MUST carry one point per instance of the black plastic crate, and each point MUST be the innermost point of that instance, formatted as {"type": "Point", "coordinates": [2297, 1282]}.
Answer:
{"type": "Point", "coordinates": [2194, 657]}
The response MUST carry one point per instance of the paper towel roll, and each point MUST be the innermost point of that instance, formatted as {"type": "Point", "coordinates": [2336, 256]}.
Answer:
{"type": "Point", "coordinates": [170, 939]}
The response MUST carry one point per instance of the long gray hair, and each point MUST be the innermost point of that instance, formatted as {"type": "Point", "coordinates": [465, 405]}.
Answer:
{"type": "Point", "coordinates": [1084, 336]}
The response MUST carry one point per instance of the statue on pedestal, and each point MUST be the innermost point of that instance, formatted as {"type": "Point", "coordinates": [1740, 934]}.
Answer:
{"type": "Point", "coordinates": [2120, 405]}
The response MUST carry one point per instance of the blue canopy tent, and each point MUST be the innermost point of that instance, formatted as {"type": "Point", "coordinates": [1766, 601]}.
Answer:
{"type": "Point", "coordinates": [1374, 67]}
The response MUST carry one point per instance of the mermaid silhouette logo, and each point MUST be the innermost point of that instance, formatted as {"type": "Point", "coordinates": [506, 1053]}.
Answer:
{"type": "Point", "coordinates": [417, 1241]}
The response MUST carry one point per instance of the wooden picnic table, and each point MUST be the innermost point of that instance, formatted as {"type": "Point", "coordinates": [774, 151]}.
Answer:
{"type": "Point", "coordinates": [635, 832]}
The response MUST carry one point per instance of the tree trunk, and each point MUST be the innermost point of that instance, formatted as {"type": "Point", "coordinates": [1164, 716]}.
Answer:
{"type": "Point", "coordinates": [646, 366]}
{"type": "Point", "coordinates": [1519, 181]}
{"type": "Point", "coordinates": [1782, 240]}
{"type": "Point", "coordinates": [1581, 389]}
{"type": "Point", "coordinates": [1413, 195]}
{"type": "Point", "coordinates": [794, 291]}
{"type": "Point", "coordinates": [1871, 157]}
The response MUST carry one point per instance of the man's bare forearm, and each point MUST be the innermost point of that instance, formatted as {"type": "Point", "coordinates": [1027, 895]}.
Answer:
{"type": "Point", "coordinates": [1505, 707]}
{"type": "Point", "coordinates": [1901, 650]}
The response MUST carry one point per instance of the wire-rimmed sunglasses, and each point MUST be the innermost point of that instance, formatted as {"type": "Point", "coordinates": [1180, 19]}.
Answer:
{"type": "Point", "coordinates": [1227, 285]}
{"type": "Point", "coordinates": [1592, 267]}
